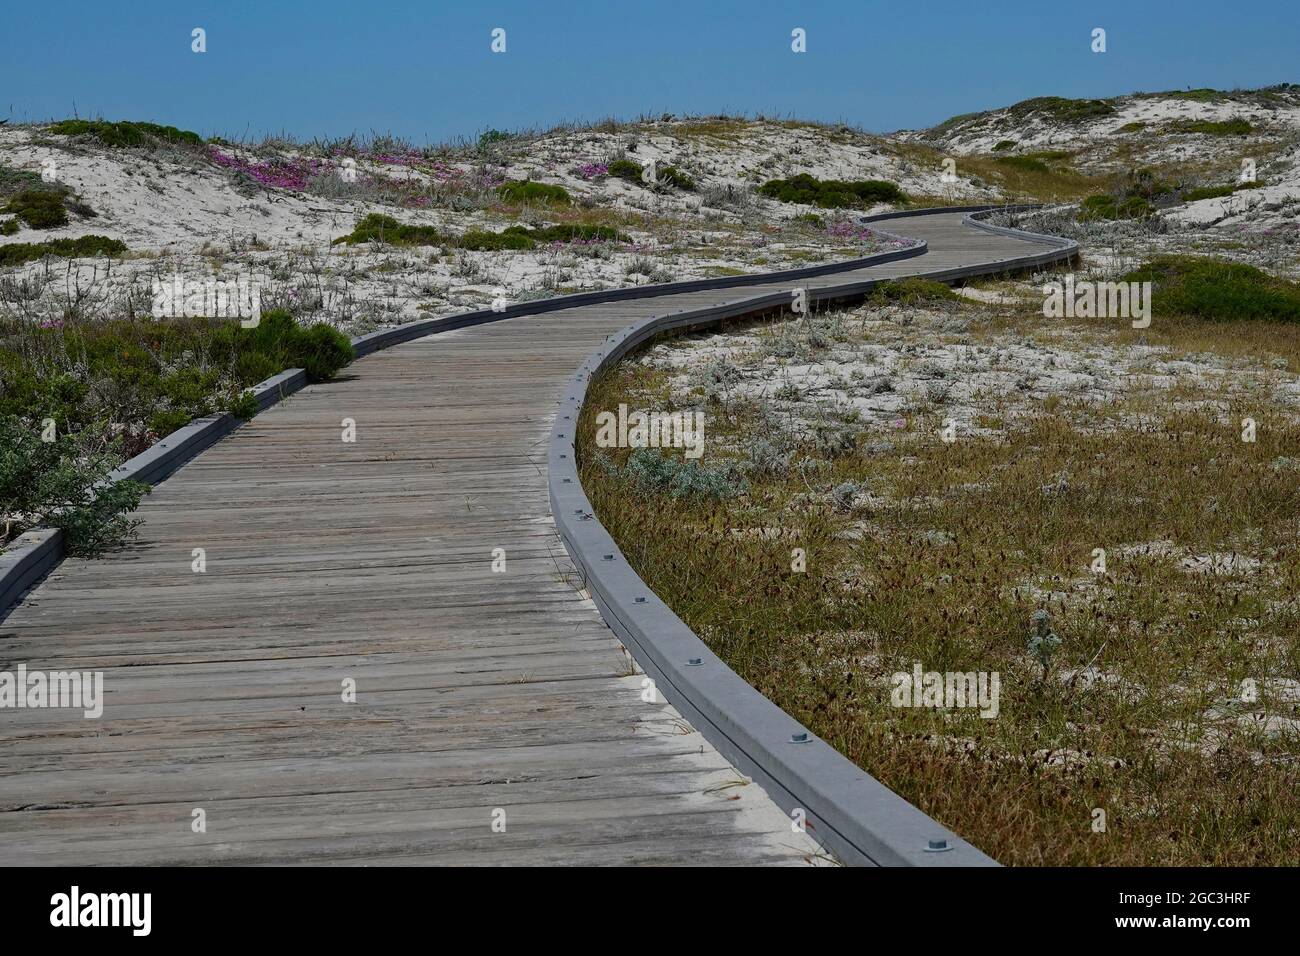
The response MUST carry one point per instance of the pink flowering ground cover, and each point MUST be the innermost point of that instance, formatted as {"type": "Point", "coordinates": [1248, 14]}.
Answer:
{"type": "Point", "coordinates": [282, 174]}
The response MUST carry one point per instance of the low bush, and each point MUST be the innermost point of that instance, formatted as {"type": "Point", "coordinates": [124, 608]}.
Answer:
{"type": "Point", "coordinates": [491, 137]}
{"type": "Point", "coordinates": [380, 228]}
{"type": "Point", "coordinates": [625, 169]}
{"type": "Point", "coordinates": [1231, 127]}
{"type": "Point", "coordinates": [1217, 290]}
{"type": "Point", "coordinates": [377, 227]}
{"type": "Point", "coordinates": [480, 241]}
{"type": "Point", "coordinates": [38, 208]}
{"type": "Point", "coordinates": [672, 176]}
{"type": "Point", "coordinates": [527, 191]}
{"type": "Point", "coordinates": [1136, 197]}
{"type": "Point", "coordinates": [126, 133]}
{"type": "Point", "coordinates": [16, 253]}
{"type": "Point", "coordinates": [320, 349]}
{"type": "Point", "coordinates": [54, 484]}
{"type": "Point", "coordinates": [522, 237]}
{"type": "Point", "coordinates": [1061, 108]}
{"type": "Point", "coordinates": [145, 378]}
{"type": "Point", "coordinates": [913, 291]}
{"type": "Point", "coordinates": [832, 194]}
{"type": "Point", "coordinates": [1217, 192]}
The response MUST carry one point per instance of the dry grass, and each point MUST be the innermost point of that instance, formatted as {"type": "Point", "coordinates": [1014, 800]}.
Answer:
{"type": "Point", "coordinates": [945, 554]}
{"type": "Point", "coordinates": [1058, 183]}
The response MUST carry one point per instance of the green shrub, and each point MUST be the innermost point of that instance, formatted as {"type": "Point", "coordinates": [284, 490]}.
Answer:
{"type": "Point", "coordinates": [320, 349]}
{"type": "Point", "coordinates": [522, 237]}
{"type": "Point", "coordinates": [145, 378]}
{"type": "Point", "coordinates": [1135, 198]}
{"type": "Point", "coordinates": [53, 484]}
{"type": "Point", "coordinates": [1202, 95]}
{"type": "Point", "coordinates": [9, 227]}
{"type": "Point", "coordinates": [377, 227]}
{"type": "Point", "coordinates": [1060, 108]}
{"type": "Point", "coordinates": [39, 209]}
{"type": "Point", "coordinates": [380, 228]}
{"type": "Point", "coordinates": [126, 133]}
{"type": "Point", "coordinates": [491, 137]}
{"type": "Point", "coordinates": [14, 181]}
{"type": "Point", "coordinates": [626, 169]}
{"type": "Point", "coordinates": [672, 176]}
{"type": "Point", "coordinates": [244, 406]}
{"type": "Point", "coordinates": [168, 420]}
{"type": "Point", "coordinates": [1217, 290]}
{"type": "Point", "coordinates": [832, 194]}
{"type": "Point", "coordinates": [481, 241]}
{"type": "Point", "coordinates": [1217, 192]}
{"type": "Point", "coordinates": [1003, 144]}
{"type": "Point", "coordinates": [1133, 127]}
{"type": "Point", "coordinates": [1232, 127]}
{"type": "Point", "coordinates": [527, 191]}
{"type": "Point", "coordinates": [913, 291]}
{"type": "Point", "coordinates": [16, 253]}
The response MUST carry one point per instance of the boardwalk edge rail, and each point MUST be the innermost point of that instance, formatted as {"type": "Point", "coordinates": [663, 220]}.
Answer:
{"type": "Point", "coordinates": [846, 809]}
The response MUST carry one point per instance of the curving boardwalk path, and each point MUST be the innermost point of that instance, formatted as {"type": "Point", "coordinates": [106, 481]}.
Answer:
{"type": "Point", "coordinates": [372, 561]}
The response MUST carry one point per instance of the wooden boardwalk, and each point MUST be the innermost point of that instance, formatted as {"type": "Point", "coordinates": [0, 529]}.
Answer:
{"type": "Point", "coordinates": [371, 561]}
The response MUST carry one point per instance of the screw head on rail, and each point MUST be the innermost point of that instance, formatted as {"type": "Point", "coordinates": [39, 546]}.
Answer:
{"type": "Point", "coordinates": [695, 662]}
{"type": "Point", "coordinates": [937, 846]}
{"type": "Point", "coordinates": [639, 600]}
{"type": "Point", "coordinates": [802, 737]}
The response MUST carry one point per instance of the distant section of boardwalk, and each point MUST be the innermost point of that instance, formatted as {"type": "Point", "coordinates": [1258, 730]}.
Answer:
{"type": "Point", "coordinates": [496, 720]}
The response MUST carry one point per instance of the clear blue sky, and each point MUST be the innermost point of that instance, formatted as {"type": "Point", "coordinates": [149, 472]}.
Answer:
{"type": "Point", "coordinates": [424, 70]}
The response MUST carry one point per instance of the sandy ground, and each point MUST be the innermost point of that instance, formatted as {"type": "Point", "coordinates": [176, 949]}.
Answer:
{"type": "Point", "coordinates": [180, 212]}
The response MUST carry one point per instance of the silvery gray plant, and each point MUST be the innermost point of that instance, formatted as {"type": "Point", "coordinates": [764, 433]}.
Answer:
{"type": "Point", "coordinates": [1043, 641]}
